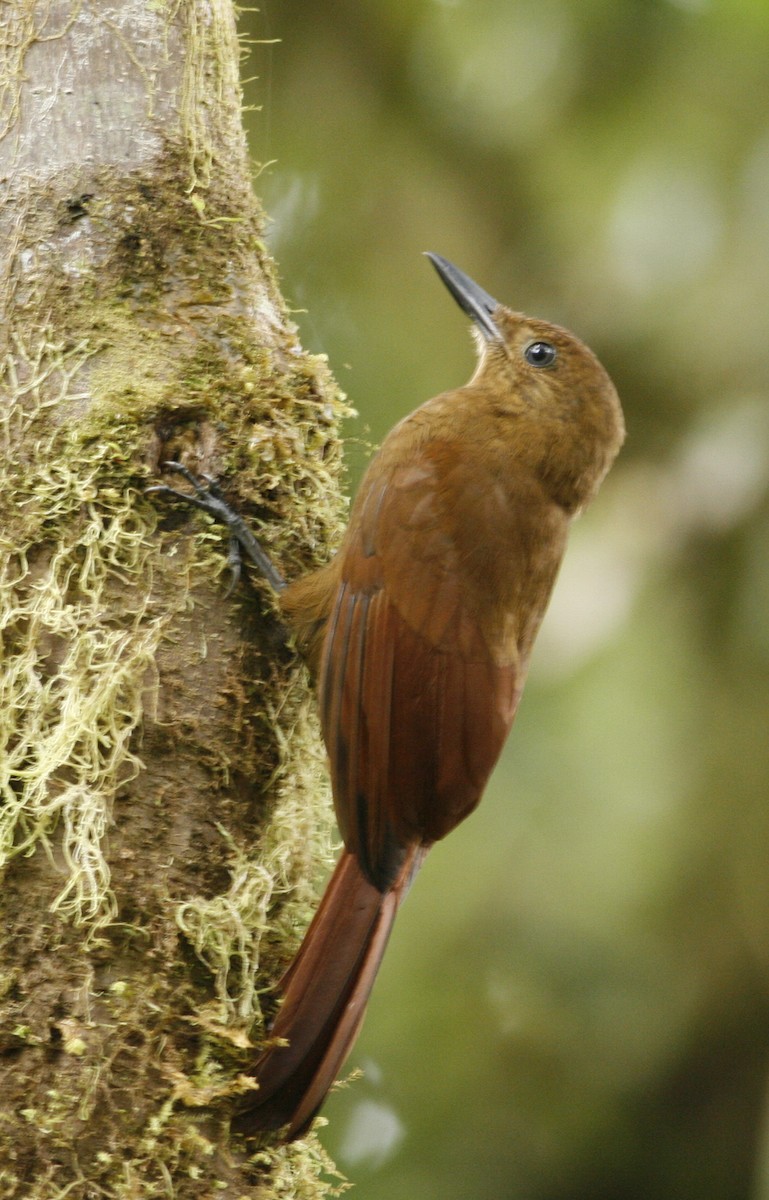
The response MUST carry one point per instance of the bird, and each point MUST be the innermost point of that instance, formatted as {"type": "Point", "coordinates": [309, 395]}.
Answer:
{"type": "Point", "coordinates": [420, 631]}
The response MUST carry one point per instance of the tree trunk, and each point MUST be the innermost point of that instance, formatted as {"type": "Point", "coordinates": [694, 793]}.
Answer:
{"type": "Point", "coordinates": [161, 804]}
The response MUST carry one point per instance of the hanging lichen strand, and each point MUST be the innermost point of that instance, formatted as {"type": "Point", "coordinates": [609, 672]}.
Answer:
{"type": "Point", "coordinates": [79, 624]}
{"type": "Point", "coordinates": [162, 796]}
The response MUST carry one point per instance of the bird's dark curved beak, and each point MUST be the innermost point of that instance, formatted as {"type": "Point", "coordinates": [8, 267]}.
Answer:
{"type": "Point", "coordinates": [478, 305]}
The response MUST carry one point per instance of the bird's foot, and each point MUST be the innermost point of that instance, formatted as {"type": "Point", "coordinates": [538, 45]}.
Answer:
{"type": "Point", "coordinates": [207, 495]}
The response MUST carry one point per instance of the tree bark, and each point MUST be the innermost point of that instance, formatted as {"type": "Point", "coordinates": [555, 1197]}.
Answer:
{"type": "Point", "coordinates": [161, 803]}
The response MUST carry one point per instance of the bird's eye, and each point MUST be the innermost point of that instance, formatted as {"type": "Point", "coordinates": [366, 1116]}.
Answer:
{"type": "Point", "coordinates": [540, 354]}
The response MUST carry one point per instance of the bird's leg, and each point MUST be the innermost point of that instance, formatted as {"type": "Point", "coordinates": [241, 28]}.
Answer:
{"type": "Point", "coordinates": [207, 495]}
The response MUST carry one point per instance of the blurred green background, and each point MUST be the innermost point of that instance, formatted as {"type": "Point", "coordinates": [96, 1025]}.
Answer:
{"type": "Point", "coordinates": [575, 1004]}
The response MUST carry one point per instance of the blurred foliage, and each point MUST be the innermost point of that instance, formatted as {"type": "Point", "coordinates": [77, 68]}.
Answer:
{"type": "Point", "coordinates": [576, 1000]}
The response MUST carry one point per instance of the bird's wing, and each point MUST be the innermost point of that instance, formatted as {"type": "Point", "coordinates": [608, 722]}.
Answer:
{"type": "Point", "coordinates": [415, 705]}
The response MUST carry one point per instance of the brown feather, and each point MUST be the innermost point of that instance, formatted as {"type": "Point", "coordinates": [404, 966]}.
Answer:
{"type": "Point", "coordinates": [325, 991]}
{"type": "Point", "coordinates": [419, 682]}
{"type": "Point", "coordinates": [421, 629]}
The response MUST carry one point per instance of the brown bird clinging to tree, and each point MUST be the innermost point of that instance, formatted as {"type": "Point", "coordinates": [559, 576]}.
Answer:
{"type": "Point", "coordinates": [421, 628]}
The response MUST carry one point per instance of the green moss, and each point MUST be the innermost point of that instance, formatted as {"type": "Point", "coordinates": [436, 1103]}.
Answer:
{"type": "Point", "coordinates": [67, 730]}
{"type": "Point", "coordinates": [96, 585]}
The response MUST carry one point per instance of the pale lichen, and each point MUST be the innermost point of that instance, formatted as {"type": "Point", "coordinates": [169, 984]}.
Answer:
{"type": "Point", "coordinates": [74, 670]}
{"type": "Point", "coordinates": [159, 846]}
{"type": "Point", "coordinates": [227, 930]}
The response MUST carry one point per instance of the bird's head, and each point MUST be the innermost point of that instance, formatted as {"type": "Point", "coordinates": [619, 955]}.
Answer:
{"type": "Point", "coordinates": [564, 412]}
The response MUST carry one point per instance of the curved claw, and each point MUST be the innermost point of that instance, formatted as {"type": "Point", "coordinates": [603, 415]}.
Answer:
{"type": "Point", "coordinates": [208, 496]}
{"type": "Point", "coordinates": [209, 485]}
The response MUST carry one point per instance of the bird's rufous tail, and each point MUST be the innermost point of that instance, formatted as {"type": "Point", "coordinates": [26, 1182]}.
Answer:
{"type": "Point", "coordinates": [324, 991]}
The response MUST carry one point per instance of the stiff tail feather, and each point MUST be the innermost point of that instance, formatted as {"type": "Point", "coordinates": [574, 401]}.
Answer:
{"type": "Point", "coordinates": [325, 991]}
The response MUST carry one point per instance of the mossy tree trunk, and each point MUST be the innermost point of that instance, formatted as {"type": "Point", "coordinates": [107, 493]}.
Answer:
{"type": "Point", "coordinates": [159, 768]}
